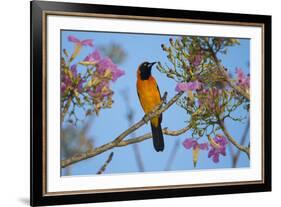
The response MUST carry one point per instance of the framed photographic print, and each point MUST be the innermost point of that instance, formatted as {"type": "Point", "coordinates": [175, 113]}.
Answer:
{"type": "Point", "coordinates": [139, 103]}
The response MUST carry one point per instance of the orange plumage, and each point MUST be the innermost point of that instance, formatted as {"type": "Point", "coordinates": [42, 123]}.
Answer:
{"type": "Point", "coordinates": [149, 96]}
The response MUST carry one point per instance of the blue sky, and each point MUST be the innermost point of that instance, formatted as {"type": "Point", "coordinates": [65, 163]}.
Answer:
{"type": "Point", "coordinates": [111, 122]}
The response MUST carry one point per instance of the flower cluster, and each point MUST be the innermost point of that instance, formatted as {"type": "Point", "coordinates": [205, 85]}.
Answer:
{"type": "Point", "coordinates": [242, 80]}
{"type": "Point", "coordinates": [209, 99]}
{"type": "Point", "coordinates": [191, 143]}
{"type": "Point", "coordinates": [218, 145]}
{"type": "Point", "coordinates": [87, 42]}
{"type": "Point", "coordinates": [99, 85]}
{"type": "Point", "coordinates": [92, 84]}
{"type": "Point", "coordinates": [194, 64]}
{"type": "Point", "coordinates": [195, 60]}
{"type": "Point", "coordinates": [104, 65]}
{"type": "Point", "coordinates": [190, 86]}
{"type": "Point", "coordinates": [72, 81]}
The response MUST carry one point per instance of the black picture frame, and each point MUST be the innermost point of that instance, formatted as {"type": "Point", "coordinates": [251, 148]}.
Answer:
{"type": "Point", "coordinates": [38, 104]}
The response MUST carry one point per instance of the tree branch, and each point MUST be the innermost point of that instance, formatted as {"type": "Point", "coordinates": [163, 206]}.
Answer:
{"type": "Point", "coordinates": [232, 140]}
{"type": "Point", "coordinates": [172, 155]}
{"type": "Point", "coordinates": [103, 167]}
{"type": "Point", "coordinates": [130, 118]}
{"type": "Point", "coordinates": [91, 153]}
{"type": "Point", "coordinates": [243, 139]}
{"type": "Point", "coordinates": [149, 135]}
{"type": "Point", "coordinates": [227, 79]}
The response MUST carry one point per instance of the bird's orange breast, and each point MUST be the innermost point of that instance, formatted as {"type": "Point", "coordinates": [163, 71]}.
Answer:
{"type": "Point", "coordinates": [149, 95]}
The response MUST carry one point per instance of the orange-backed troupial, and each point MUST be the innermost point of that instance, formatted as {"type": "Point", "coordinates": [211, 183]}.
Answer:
{"type": "Point", "coordinates": [149, 96]}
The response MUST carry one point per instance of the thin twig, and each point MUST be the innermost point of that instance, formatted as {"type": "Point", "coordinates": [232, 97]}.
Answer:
{"type": "Point", "coordinates": [243, 139]}
{"type": "Point", "coordinates": [172, 155]}
{"type": "Point", "coordinates": [232, 140]}
{"type": "Point", "coordinates": [91, 153]}
{"type": "Point", "coordinates": [103, 167]}
{"type": "Point", "coordinates": [130, 118]}
{"type": "Point", "coordinates": [138, 157]}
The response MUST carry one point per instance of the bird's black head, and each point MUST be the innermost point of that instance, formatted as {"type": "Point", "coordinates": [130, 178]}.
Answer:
{"type": "Point", "coordinates": [145, 70]}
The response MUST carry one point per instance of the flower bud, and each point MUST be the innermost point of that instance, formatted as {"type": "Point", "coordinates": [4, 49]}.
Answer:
{"type": "Point", "coordinates": [171, 41]}
{"type": "Point", "coordinates": [104, 90]}
{"type": "Point", "coordinates": [169, 75]}
{"type": "Point", "coordinates": [95, 81]}
{"type": "Point", "coordinates": [108, 74]}
{"type": "Point", "coordinates": [164, 47]}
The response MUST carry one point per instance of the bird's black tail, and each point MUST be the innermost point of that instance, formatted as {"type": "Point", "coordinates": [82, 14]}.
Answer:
{"type": "Point", "coordinates": [157, 135]}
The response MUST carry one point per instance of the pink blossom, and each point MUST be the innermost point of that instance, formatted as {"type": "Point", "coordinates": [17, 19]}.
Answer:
{"type": "Point", "coordinates": [106, 64]}
{"type": "Point", "coordinates": [91, 93]}
{"type": "Point", "coordinates": [190, 86]}
{"type": "Point", "coordinates": [87, 42]}
{"type": "Point", "coordinates": [192, 143]}
{"type": "Point", "coordinates": [65, 83]}
{"type": "Point", "coordinates": [94, 56]}
{"type": "Point", "coordinates": [103, 64]}
{"type": "Point", "coordinates": [242, 80]}
{"type": "Point", "coordinates": [63, 87]}
{"type": "Point", "coordinates": [75, 81]}
{"type": "Point", "coordinates": [220, 149]}
{"type": "Point", "coordinates": [116, 73]}
{"type": "Point", "coordinates": [102, 90]}
{"type": "Point", "coordinates": [197, 60]}
{"type": "Point", "coordinates": [208, 97]}
{"type": "Point", "coordinates": [73, 70]}
{"type": "Point", "coordinates": [80, 85]}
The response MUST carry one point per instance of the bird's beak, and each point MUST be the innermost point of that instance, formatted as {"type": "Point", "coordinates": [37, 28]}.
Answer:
{"type": "Point", "coordinates": [151, 64]}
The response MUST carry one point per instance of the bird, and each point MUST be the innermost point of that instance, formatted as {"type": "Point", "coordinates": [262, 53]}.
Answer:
{"type": "Point", "coordinates": [149, 97]}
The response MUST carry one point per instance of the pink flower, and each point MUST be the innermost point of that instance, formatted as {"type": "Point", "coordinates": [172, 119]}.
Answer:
{"type": "Point", "coordinates": [116, 73]}
{"type": "Point", "coordinates": [87, 42]}
{"type": "Point", "coordinates": [219, 149]}
{"type": "Point", "coordinates": [104, 64]}
{"type": "Point", "coordinates": [242, 80]}
{"type": "Point", "coordinates": [65, 83]}
{"type": "Point", "coordinates": [101, 91]}
{"type": "Point", "coordinates": [73, 70]}
{"type": "Point", "coordinates": [190, 86]}
{"type": "Point", "coordinates": [107, 64]}
{"type": "Point", "coordinates": [94, 56]}
{"type": "Point", "coordinates": [63, 87]}
{"type": "Point", "coordinates": [72, 80]}
{"type": "Point", "coordinates": [191, 143]}
{"type": "Point", "coordinates": [209, 99]}
{"type": "Point", "coordinates": [197, 60]}
{"type": "Point", "coordinates": [101, 86]}
{"type": "Point", "coordinates": [196, 147]}
{"type": "Point", "coordinates": [80, 85]}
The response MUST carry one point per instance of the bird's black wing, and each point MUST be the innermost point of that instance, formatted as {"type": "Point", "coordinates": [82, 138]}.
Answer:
{"type": "Point", "coordinates": [160, 116]}
{"type": "Point", "coordinates": [139, 99]}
